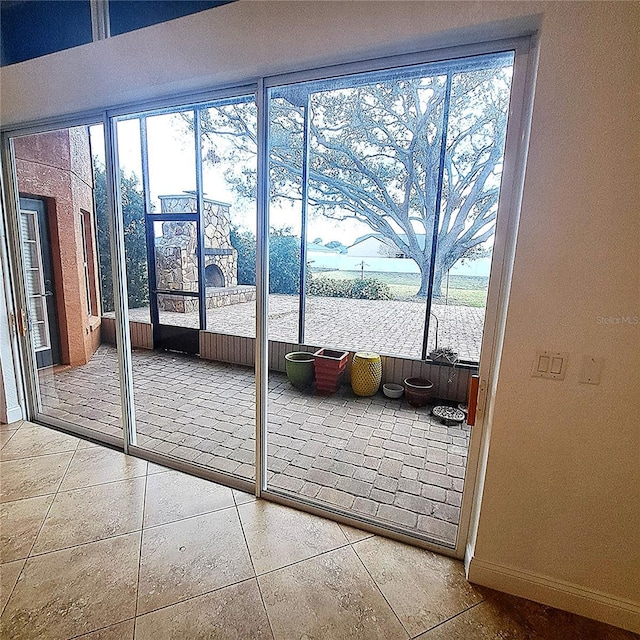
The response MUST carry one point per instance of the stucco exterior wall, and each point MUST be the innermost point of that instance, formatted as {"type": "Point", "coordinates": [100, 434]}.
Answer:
{"type": "Point", "coordinates": [56, 167]}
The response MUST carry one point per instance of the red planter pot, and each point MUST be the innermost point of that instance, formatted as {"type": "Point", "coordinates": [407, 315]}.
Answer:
{"type": "Point", "coordinates": [329, 366]}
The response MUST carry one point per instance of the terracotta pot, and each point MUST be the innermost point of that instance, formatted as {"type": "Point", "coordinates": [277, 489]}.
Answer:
{"type": "Point", "coordinates": [329, 367]}
{"type": "Point", "coordinates": [418, 391]}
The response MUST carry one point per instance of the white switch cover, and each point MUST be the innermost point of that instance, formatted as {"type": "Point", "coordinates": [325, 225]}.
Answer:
{"type": "Point", "coordinates": [550, 364]}
{"type": "Point", "coordinates": [591, 369]}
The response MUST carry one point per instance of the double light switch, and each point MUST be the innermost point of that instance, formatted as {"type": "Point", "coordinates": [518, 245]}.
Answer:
{"type": "Point", "coordinates": [550, 364]}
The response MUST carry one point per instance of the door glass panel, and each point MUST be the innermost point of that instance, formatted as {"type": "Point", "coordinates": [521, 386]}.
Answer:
{"type": "Point", "coordinates": [61, 179]}
{"type": "Point", "coordinates": [378, 163]}
{"type": "Point", "coordinates": [193, 372]}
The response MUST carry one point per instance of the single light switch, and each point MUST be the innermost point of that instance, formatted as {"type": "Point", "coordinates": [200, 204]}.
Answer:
{"type": "Point", "coordinates": [556, 366]}
{"type": "Point", "coordinates": [543, 364]}
{"type": "Point", "coordinates": [550, 364]}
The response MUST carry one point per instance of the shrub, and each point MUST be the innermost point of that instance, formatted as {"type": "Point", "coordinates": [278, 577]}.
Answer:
{"type": "Point", "coordinates": [371, 289]}
{"type": "Point", "coordinates": [367, 289]}
{"type": "Point", "coordinates": [329, 287]}
{"type": "Point", "coordinates": [284, 259]}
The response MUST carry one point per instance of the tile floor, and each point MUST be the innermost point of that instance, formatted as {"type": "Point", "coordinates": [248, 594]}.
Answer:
{"type": "Point", "coordinates": [99, 545]}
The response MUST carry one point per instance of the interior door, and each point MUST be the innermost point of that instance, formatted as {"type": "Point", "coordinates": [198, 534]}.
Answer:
{"type": "Point", "coordinates": [36, 245]}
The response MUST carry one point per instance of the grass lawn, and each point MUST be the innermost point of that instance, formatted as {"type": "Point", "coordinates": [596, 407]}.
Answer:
{"type": "Point", "coordinates": [470, 291]}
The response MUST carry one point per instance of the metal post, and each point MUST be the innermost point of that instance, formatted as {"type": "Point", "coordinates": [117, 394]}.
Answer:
{"type": "Point", "coordinates": [202, 289]}
{"type": "Point", "coordinates": [149, 228]}
{"type": "Point", "coordinates": [303, 228]}
{"type": "Point", "coordinates": [119, 276]}
{"type": "Point", "coordinates": [436, 214]}
{"type": "Point", "coordinates": [262, 289]}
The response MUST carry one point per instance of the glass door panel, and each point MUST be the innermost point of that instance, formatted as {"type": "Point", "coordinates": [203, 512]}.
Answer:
{"type": "Point", "coordinates": [64, 238]}
{"type": "Point", "coordinates": [193, 363]}
{"type": "Point", "coordinates": [383, 162]}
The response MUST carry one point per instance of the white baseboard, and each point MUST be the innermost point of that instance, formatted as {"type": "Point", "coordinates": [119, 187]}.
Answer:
{"type": "Point", "coordinates": [556, 593]}
{"type": "Point", "coordinates": [14, 414]}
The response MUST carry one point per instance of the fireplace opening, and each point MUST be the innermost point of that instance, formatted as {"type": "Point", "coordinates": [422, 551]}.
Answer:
{"type": "Point", "coordinates": [213, 276]}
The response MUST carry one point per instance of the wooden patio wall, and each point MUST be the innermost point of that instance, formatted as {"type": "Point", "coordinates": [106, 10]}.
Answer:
{"type": "Point", "coordinates": [241, 350]}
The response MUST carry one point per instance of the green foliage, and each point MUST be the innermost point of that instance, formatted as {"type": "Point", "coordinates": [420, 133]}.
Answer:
{"type": "Point", "coordinates": [366, 289]}
{"type": "Point", "coordinates": [336, 244]}
{"type": "Point", "coordinates": [134, 239]}
{"type": "Point", "coordinates": [370, 289]}
{"type": "Point", "coordinates": [244, 242]}
{"type": "Point", "coordinates": [284, 262]}
{"type": "Point", "coordinates": [284, 259]}
{"type": "Point", "coordinates": [329, 287]}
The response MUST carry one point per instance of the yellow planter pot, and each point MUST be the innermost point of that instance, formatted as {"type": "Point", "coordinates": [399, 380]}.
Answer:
{"type": "Point", "coordinates": [366, 373]}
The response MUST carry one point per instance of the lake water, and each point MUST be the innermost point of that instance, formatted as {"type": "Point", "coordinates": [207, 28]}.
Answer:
{"type": "Point", "coordinates": [332, 262]}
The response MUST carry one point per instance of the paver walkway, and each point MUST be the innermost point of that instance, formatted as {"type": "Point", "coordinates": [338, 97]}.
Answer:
{"type": "Point", "coordinates": [372, 456]}
{"type": "Point", "coordinates": [390, 327]}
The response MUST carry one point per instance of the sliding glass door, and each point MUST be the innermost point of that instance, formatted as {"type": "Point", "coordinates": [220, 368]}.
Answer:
{"type": "Point", "coordinates": [383, 198]}
{"type": "Point", "coordinates": [190, 257]}
{"type": "Point", "coordinates": [227, 288]}
{"type": "Point", "coordinates": [63, 243]}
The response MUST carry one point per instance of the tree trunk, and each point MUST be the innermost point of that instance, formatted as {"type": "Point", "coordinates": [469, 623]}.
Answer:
{"type": "Point", "coordinates": [424, 280]}
{"type": "Point", "coordinates": [437, 281]}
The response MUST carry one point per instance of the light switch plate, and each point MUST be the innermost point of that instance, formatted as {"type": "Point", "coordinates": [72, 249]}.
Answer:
{"type": "Point", "coordinates": [550, 364]}
{"type": "Point", "coordinates": [591, 369]}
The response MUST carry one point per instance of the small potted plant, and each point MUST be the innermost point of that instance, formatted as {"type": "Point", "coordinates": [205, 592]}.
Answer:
{"type": "Point", "coordinates": [445, 355]}
{"type": "Point", "coordinates": [329, 367]}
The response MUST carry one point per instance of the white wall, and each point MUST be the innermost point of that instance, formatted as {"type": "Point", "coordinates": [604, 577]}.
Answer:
{"type": "Point", "coordinates": [560, 507]}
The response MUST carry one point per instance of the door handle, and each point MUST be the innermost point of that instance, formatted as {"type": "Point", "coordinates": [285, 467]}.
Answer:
{"type": "Point", "coordinates": [21, 321]}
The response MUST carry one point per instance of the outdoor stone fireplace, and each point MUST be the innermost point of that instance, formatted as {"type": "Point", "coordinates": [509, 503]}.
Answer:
{"type": "Point", "coordinates": [177, 262]}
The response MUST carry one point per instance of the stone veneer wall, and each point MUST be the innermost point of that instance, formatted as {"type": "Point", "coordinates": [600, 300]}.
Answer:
{"type": "Point", "coordinates": [176, 258]}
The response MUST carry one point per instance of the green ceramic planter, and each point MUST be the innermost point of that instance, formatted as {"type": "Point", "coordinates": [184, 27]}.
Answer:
{"type": "Point", "coordinates": [300, 370]}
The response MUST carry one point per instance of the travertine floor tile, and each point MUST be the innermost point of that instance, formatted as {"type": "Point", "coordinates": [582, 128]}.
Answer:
{"type": "Point", "coordinates": [242, 497]}
{"type": "Point", "coordinates": [191, 557]}
{"type": "Point", "coordinates": [6, 435]}
{"type": "Point", "coordinates": [173, 496]}
{"type": "Point", "coordinates": [74, 591]}
{"type": "Point", "coordinates": [503, 616]}
{"type": "Point", "coordinates": [98, 465]}
{"type": "Point", "coordinates": [234, 612]}
{"type": "Point", "coordinates": [92, 513]}
{"type": "Point", "coordinates": [353, 534]}
{"type": "Point", "coordinates": [32, 441]}
{"type": "Point", "coordinates": [329, 597]}
{"type": "Point", "coordinates": [423, 588]}
{"type": "Point", "coordinates": [12, 426]}
{"type": "Point", "coordinates": [20, 522]}
{"type": "Point", "coordinates": [120, 631]}
{"type": "Point", "coordinates": [9, 573]}
{"type": "Point", "coordinates": [156, 468]}
{"type": "Point", "coordinates": [278, 536]}
{"type": "Point", "coordinates": [31, 477]}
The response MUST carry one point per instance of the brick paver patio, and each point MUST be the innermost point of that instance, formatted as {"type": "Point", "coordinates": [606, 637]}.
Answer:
{"type": "Point", "coordinates": [373, 456]}
{"type": "Point", "coordinates": [391, 327]}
